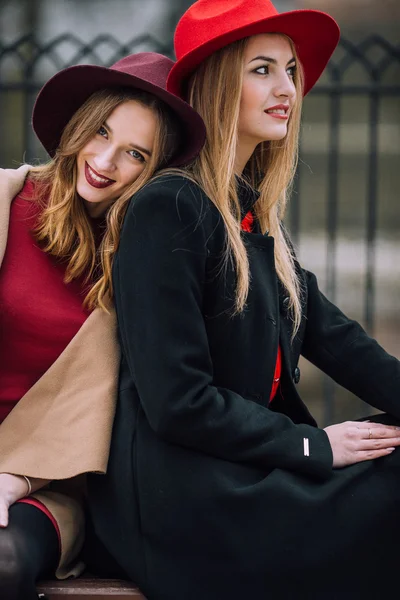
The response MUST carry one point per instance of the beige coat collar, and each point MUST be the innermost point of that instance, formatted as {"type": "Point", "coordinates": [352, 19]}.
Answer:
{"type": "Point", "coordinates": [62, 426]}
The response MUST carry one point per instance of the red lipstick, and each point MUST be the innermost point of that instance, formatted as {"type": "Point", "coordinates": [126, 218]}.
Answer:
{"type": "Point", "coordinates": [95, 179]}
{"type": "Point", "coordinates": [282, 111]}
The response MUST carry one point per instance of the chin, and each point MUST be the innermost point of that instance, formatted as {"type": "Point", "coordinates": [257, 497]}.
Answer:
{"type": "Point", "coordinates": [275, 136]}
{"type": "Point", "coordinates": [88, 195]}
{"type": "Point", "coordinates": [270, 134]}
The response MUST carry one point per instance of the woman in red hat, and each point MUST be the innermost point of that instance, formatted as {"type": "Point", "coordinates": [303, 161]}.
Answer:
{"type": "Point", "coordinates": [107, 131]}
{"type": "Point", "coordinates": [230, 489]}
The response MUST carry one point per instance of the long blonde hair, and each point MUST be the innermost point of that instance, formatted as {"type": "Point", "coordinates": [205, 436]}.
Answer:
{"type": "Point", "coordinates": [215, 92]}
{"type": "Point", "coordinates": [64, 228]}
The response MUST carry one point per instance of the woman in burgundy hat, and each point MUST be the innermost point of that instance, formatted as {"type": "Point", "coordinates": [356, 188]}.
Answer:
{"type": "Point", "coordinates": [230, 489]}
{"type": "Point", "coordinates": [107, 131]}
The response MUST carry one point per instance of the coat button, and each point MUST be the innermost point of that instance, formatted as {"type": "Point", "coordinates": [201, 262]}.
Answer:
{"type": "Point", "coordinates": [296, 375]}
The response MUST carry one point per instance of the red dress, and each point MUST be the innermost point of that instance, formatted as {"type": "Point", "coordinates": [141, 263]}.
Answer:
{"type": "Point", "coordinates": [39, 313]}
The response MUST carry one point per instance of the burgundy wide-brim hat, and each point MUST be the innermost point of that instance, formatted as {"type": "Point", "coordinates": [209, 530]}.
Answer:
{"type": "Point", "coordinates": [67, 91]}
{"type": "Point", "coordinates": [209, 25]}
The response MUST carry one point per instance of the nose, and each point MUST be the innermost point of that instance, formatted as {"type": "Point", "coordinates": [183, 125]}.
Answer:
{"type": "Point", "coordinates": [284, 86]}
{"type": "Point", "coordinates": [105, 161]}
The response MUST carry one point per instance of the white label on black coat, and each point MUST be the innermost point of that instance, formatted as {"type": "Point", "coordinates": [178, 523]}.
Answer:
{"type": "Point", "coordinates": [306, 447]}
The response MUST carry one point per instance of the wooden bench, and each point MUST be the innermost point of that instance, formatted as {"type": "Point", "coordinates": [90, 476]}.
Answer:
{"type": "Point", "coordinates": [88, 588]}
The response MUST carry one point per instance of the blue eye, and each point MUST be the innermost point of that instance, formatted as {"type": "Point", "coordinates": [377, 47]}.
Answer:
{"type": "Point", "coordinates": [291, 71]}
{"type": "Point", "coordinates": [135, 154]}
{"type": "Point", "coordinates": [102, 131]}
{"type": "Point", "coordinates": [264, 70]}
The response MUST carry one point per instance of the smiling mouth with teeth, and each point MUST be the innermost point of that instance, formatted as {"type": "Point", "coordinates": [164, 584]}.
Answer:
{"type": "Point", "coordinates": [280, 112]}
{"type": "Point", "coordinates": [95, 180]}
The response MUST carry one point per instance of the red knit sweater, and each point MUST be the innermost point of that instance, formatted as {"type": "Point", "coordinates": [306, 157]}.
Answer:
{"type": "Point", "coordinates": [39, 313]}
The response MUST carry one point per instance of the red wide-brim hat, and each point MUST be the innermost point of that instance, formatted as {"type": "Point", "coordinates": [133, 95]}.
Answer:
{"type": "Point", "coordinates": [67, 91]}
{"type": "Point", "coordinates": [209, 25]}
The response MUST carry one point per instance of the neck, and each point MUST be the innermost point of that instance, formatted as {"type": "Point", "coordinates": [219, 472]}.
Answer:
{"type": "Point", "coordinates": [244, 150]}
{"type": "Point", "coordinates": [95, 210]}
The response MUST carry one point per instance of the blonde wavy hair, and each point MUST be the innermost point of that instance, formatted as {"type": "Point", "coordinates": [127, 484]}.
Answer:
{"type": "Point", "coordinates": [215, 92]}
{"type": "Point", "coordinates": [64, 228]}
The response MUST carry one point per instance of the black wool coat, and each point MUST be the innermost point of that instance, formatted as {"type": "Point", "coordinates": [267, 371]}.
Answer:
{"type": "Point", "coordinates": [212, 493]}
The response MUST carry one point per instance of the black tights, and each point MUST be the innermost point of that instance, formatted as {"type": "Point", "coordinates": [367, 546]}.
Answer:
{"type": "Point", "coordinates": [29, 549]}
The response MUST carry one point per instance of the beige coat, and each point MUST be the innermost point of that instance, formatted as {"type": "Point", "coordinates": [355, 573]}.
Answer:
{"type": "Point", "coordinates": [62, 427]}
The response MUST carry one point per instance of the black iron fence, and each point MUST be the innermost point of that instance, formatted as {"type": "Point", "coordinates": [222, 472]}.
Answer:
{"type": "Point", "coordinates": [351, 142]}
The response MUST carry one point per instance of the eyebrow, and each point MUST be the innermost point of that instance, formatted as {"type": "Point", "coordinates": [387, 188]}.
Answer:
{"type": "Point", "coordinates": [271, 60]}
{"type": "Point", "coordinates": [134, 146]}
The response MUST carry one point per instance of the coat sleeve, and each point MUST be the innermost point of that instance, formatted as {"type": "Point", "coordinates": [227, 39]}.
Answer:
{"type": "Point", "coordinates": [159, 285]}
{"type": "Point", "coordinates": [341, 348]}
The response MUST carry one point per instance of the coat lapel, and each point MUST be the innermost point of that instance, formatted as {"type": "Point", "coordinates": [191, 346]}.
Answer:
{"type": "Point", "coordinates": [62, 426]}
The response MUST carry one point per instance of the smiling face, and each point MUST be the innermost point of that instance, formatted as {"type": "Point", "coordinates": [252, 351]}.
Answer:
{"type": "Point", "coordinates": [115, 157]}
{"type": "Point", "coordinates": [268, 91]}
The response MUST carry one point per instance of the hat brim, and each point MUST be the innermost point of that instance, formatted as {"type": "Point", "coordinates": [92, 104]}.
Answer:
{"type": "Point", "coordinates": [315, 35]}
{"type": "Point", "coordinates": [67, 91]}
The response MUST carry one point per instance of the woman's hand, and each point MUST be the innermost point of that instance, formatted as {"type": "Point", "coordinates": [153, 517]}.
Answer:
{"type": "Point", "coordinates": [355, 441]}
{"type": "Point", "coordinates": [12, 488]}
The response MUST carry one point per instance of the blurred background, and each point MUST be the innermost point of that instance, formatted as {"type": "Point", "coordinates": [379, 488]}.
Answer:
{"type": "Point", "coordinates": [344, 215]}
